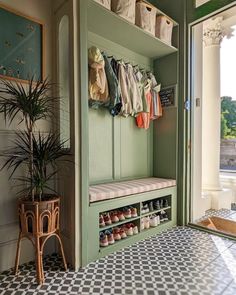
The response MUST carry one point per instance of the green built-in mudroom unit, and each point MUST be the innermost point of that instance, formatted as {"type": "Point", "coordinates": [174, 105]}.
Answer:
{"type": "Point", "coordinates": [125, 168]}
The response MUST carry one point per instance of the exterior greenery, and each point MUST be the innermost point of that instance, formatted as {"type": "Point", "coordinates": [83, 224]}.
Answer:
{"type": "Point", "coordinates": [228, 117]}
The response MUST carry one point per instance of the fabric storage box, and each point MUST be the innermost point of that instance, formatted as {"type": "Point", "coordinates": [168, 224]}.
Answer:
{"type": "Point", "coordinates": [125, 9]}
{"type": "Point", "coordinates": [164, 28]}
{"type": "Point", "coordinates": [146, 16]}
{"type": "Point", "coordinates": [105, 3]}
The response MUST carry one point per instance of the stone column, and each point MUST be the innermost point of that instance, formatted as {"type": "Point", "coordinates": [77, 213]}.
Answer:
{"type": "Point", "coordinates": [211, 104]}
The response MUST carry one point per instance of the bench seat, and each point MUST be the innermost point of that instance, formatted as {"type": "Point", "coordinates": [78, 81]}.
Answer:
{"type": "Point", "coordinates": [113, 190]}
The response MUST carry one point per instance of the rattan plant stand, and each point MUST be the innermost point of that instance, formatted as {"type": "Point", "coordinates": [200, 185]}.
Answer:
{"type": "Point", "coordinates": [39, 221]}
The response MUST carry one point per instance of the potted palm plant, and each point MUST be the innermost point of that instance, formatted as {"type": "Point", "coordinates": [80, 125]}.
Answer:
{"type": "Point", "coordinates": [36, 153]}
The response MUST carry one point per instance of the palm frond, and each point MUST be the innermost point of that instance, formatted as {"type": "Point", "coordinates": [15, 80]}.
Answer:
{"type": "Point", "coordinates": [32, 103]}
{"type": "Point", "coordinates": [47, 149]}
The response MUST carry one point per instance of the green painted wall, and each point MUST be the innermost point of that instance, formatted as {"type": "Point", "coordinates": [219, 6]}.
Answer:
{"type": "Point", "coordinates": [118, 150]}
{"type": "Point", "coordinates": [177, 10]}
{"type": "Point", "coordinates": [165, 129]}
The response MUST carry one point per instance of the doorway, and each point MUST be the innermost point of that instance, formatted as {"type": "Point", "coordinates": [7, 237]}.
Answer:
{"type": "Point", "coordinates": [213, 177]}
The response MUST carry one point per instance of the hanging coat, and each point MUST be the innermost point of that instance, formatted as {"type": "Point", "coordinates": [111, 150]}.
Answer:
{"type": "Point", "coordinates": [98, 86]}
{"type": "Point", "coordinates": [115, 103]}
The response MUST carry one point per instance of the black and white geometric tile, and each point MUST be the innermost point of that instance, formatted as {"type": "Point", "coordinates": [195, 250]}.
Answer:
{"type": "Point", "coordinates": [223, 213]}
{"type": "Point", "coordinates": [180, 261]}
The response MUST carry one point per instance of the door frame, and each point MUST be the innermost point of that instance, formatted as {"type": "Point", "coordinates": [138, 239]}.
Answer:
{"type": "Point", "coordinates": [190, 123]}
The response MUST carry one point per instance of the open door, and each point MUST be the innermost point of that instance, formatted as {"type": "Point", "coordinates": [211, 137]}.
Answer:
{"type": "Point", "coordinates": [212, 189]}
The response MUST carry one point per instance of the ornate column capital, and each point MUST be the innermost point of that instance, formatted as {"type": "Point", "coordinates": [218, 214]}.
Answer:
{"type": "Point", "coordinates": [213, 31]}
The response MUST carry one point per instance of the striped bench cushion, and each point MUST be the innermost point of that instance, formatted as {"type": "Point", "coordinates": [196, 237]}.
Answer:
{"type": "Point", "coordinates": [125, 188]}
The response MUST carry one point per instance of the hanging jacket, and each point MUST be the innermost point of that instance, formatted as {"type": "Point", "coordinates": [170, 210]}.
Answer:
{"type": "Point", "coordinates": [155, 89]}
{"type": "Point", "coordinates": [143, 119]}
{"type": "Point", "coordinates": [144, 87]}
{"type": "Point", "coordinates": [114, 88]}
{"type": "Point", "coordinates": [124, 82]}
{"type": "Point", "coordinates": [115, 66]}
{"type": "Point", "coordinates": [135, 93]}
{"type": "Point", "coordinates": [98, 86]}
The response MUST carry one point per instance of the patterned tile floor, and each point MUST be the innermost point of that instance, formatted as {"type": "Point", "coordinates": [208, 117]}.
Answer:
{"type": "Point", "coordinates": [180, 261]}
{"type": "Point", "coordinates": [224, 213]}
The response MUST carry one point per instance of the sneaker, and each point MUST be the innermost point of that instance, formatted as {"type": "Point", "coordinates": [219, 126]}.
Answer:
{"type": "Point", "coordinates": [156, 205]}
{"type": "Point", "coordinates": [153, 221]}
{"type": "Point", "coordinates": [123, 233]}
{"type": "Point", "coordinates": [101, 221]}
{"type": "Point", "coordinates": [128, 229]}
{"type": "Point", "coordinates": [161, 216]}
{"type": "Point", "coordinates": [110, 237]}
{"type": "Point", "coordinates": [165, 216]}
{"type": "Point", "coordinates": [142, 208]}
{"type": "Point", "coordinates": [166, 203]}
{"type": "Point", "coordinates": [135, 229]}
{"type": "Point", "coordinates": [127, 213]}
{"type": "Point", "coordinates": [161, 203]}
{"type": "Point", "coordinates": [147, 223]}
{"type": "Point", "coordinates": [116, 234]}
{"type": "Point", "coordinates": [150, 205]}
{"type": "Point", "coordinates": [145, 209]}
{"type": "Point", "coordinates": [114, 217]}
{"type": "Point", "coordinates": [142, 226]}
{"type": "Point", "coordinates": [103, 240]}
{"type": "Point", "coordinates": [107, 219]}
{"type": "Point", "coordinates": [134, 212]}
{"type": "Point", "coordinates": [121, 216]}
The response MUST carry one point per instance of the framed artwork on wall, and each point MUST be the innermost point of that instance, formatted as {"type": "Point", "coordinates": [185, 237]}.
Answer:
{"type": "Point", "coordinates": [21, 46]}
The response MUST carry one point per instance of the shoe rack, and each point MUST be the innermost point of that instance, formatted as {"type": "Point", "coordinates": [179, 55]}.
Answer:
{"type": "Point", "coordinates": [96, 251]}
{"type": "Point", "coordinates": [142, 217]}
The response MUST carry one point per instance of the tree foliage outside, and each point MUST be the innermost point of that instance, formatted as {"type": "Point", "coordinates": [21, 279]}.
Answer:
{"type": "Point", "coordinates": [228, 117]}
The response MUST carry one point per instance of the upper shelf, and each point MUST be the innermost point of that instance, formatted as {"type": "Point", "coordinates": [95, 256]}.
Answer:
{"type": "Point", "coordinates": [109, 25]}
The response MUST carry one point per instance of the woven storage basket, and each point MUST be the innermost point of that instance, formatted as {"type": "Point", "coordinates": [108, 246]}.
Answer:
{"type": "Point", "coordinates": [105, 3]}
{"type": "Point", "coordinates": [146, 16]}
{"type": "Point", "coordinates": [164, 28]}
{"type": "Point", "coordinates": [125, 9]}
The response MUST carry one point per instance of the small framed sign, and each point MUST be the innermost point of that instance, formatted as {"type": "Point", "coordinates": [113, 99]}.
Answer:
{"type": "Point", "coordinates": [168, 96]}
{"type": "Point", "coordinates": [21, 46]}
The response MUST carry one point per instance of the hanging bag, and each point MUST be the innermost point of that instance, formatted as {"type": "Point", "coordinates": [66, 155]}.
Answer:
{"type": "Point", "coordinates": [125, 9]}
{"type": "Point", "coordinates": [146, 16]}
{"type": "Point", "coordinates": [105, 3]}
{"type": "Point", "coordinates": [164, 27]}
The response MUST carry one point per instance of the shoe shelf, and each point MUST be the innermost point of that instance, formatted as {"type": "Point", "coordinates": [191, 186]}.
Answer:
{"type": "Point", "coordinates": [109, 230]}
{"type": "Point", "coordinates": [111, 26]}
{"type": "Point", "coordinates": [124, 231]}
{"type": "Point", "coordinates": [117, 243]}
{"type": "Point", "coordinates": [155, 211]}
{"type": "Point", "coordinates": [117, 224]}
{"type": "Point", "coordinates": [133, 239]}
{"type": "Point", "coordinates": [154, 227]}
{"type": "Point", "coordinates": [105, 237]}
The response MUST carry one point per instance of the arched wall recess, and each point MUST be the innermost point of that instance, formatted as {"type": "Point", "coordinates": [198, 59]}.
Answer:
{"type": "Point", "coordinates": [64, 79]}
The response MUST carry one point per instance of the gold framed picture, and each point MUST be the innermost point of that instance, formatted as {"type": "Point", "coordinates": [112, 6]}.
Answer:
{"type": "Point", "coordinates": [21, 46]}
